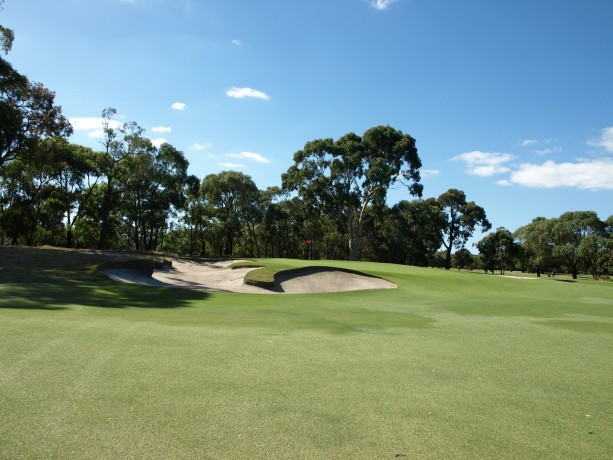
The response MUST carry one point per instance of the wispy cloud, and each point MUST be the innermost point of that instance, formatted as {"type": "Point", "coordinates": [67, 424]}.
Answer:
{"type": "Point", "coordinates": [605, 141]}
{"type": "Point", "coordinates": [178, 105]}
{"type": "Point", "coordinates": [162, 129]}
{"type": "Point", "coordinates": [199, 147]}
{"type": "Point", "coordinates": [237, 42]}
{"type": "Point", "coordinates": [485, 164]}
{"type": "Point", "coordinates": [381, 4]}
{"type": "Point", "coordinates": [232, 165]}
{"type": "Point", "coordinates": [547, 151]}
{"type": "Point", "coordinates": [528, 142]}
{"type": "Point", "coordinates": [240, 93]}
{"type": "Point", "coordinates": [250, 156]}
{"type": "Point", "coordinates": [585, 175]}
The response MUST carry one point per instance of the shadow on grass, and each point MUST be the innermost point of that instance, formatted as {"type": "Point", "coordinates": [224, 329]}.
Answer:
{"type": "Point", "coordinates": [52, 293]}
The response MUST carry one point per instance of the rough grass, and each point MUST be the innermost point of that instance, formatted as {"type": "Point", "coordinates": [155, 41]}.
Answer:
{"type": "Point", "coordinates": [449, 365]}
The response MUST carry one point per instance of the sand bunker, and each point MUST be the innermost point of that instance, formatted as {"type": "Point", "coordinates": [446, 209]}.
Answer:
{"type": "Point", "coordinates": [218, 276]}
{"type": "Point", "coordinates": [327, 279]}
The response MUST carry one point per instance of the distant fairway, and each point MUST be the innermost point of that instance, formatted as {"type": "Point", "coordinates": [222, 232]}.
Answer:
{"type": "Point", "coordinates": [448, 365]}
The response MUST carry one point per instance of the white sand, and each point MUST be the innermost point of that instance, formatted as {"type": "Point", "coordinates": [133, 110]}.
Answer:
{"type": "Point", "coordinates": [218, 276]}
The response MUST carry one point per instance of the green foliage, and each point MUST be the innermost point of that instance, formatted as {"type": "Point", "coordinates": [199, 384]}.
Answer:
{"type": "Point", "coordinates": [498, 250]}
{"type": "Point", "coordinates": [6, 39]}
{"type": "Point", "coordinates": [461, 219]}
{"type": "Point", "coordinates": [342, 178]}
{"type": "Point", "coordinates": [7, 36]}
{"type": "Point", "coordinates": [596, 253]}
{"type": "Point", "coordinates": [462, 259]}
{"type": "Point", "coordinates": [233, 201]}
{"type": "Point", "coordinates": [27, 114]}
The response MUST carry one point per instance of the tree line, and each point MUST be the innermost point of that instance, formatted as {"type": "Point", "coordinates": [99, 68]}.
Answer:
{"type": "Point", "coordinates": [331, 203]}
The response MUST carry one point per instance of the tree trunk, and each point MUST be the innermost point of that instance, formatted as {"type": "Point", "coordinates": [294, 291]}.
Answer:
{"type": "Point", "coordinates": [448, 257]}
{"type": "Point", "coordinates": [105, 223]}
{"type": "Point", "coordinates": [229, 243]}
{"type": "Point", "coordinates": [354, 229]}
{"type": "Point", "coordinates": [69, 237]}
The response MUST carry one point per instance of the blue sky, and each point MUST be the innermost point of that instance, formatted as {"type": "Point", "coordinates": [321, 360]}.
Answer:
{"type": "Point", "coordinates": [510, 101]}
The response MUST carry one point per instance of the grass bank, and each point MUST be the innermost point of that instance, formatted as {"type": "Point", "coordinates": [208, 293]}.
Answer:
{"type": "Point", "coordinates": [448, 365]}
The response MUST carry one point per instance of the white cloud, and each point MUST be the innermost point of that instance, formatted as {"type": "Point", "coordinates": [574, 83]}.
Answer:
{"type": "Point", "coordinates": [96, 134]}
{"type": "Point", "coordinates": [232, 165]}
{"type": "Point", "coordinates": [237, 42]}
{"type": "Point", "coordinates": [240, 93]}
{"type": "Point", "coordinates": [162, 129]}
{"type": "Point", "coordinates": [605, 141]}
{"type": "Point", "coordinates": [159, 141]}
{"type": "Point", "coordinates": [91, 123]}
{"type": "Point", "coordinates": [483, 163]}
{"type": "Point", "coordinates": [547, 151]}
{"type": "Point", "coordinates": [429, 173]}
{"type": "Point", "coordinates": [250, 156]}
{"type": "Point", "coordinates": [178, 106]}
{"type": "Point", "coordinates": [585, 175]}
{"type": "Point", "coordinates": [199, 147]}
{"type": "Point", "coordinates": [528, 142]}
{"type": "Point", "coordinates": [381, 4]}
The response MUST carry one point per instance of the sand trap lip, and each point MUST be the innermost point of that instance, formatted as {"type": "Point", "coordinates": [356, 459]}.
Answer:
{"type": "Point", "coordinates": [217, 276]}
{"type": "Point", "coordinates": [326, 279]}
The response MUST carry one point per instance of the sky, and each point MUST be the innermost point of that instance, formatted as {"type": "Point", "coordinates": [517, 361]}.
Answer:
{"type": "Point", "coordinates": [509, 101]}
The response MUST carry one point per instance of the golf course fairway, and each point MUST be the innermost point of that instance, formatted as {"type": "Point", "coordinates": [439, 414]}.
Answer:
{"type": "Point", "coordinates": [447, 365]}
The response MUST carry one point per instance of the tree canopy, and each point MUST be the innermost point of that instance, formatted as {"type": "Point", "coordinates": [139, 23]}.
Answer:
{"type": "Point", "coordinates": [461, 219]}
{"type": "Point", "coordinates": [342, 178]}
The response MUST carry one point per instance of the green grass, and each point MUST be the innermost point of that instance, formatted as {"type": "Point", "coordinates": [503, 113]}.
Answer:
{"type": "Point", "coordinates": [448, 365]}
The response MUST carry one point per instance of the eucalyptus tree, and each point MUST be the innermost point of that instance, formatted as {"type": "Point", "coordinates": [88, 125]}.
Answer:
{"type": "Point", "coordinates": [420, 231]}
{"type": "Point", "coordinates": [536, 241]}
{"type": "Point", "coordinates": [408, 233]}
{"type": "Point", "coordinates": [6, 36]}
{"type": "Point", "coordinates": [231, 197]}
{"type": "Point", "coordinates": [28, 113]}
{"type": "Point", "coordinates": [119, 142]}
{"type": "Point", "coordinates": [461, 219]}
{"type": "Point", "coordinates": [497, 250]}
{"type": "Point", "coordinates": [27, 199]}
{"type": "Point", "coordinates": [568, 232]}
{"type": "Point", "coordinates": [343, 178]}
{"type": "Point", "coordinates": [71, 169]}
{"type": "Point", "coordinates": [596, 253]}
{"type": "Point", "coordinates": [271, 229]}
{"type": "Point", "coordinates": [462, 259]}
{"type": "Point", "coordinates": [194, 221]}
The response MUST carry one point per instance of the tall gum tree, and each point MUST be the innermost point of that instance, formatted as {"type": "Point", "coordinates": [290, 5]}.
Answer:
{"type": "Point", "coordinates": [119, 144]}
{"type": "Point", "coordinates": [568, 232]}
{"type": "Point", "coordinates": [342, 178]}
{"type": "Point", "coordinates": [232, 197]}
{"type": "Point", "coordinates": [462, 218]}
